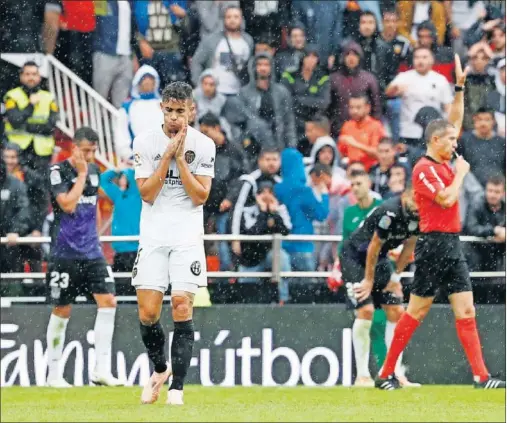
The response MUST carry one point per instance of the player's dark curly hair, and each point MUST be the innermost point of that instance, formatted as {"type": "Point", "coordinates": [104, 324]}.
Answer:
{"type": "Point", "coordinates": [177, 91]}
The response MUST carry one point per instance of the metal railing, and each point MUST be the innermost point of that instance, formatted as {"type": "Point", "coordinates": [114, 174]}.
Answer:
{"type": "Point", "coordinates": [276, 274]}
{"type": "Point", "coordinates": [80, 105]}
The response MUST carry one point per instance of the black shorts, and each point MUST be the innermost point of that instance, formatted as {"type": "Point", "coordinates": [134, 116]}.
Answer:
{"type": "Point", "coordinates": [353, 271]}
{"type": "Point", "coordinates": [440, 264]}
{"type": "Point", "coordinates": [68, 278]}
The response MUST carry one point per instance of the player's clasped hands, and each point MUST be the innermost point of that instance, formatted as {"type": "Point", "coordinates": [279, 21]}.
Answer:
{"type": "Point", "coordinates": [363, 289]}
{"type": "Point", "coordinates": [176, 147]}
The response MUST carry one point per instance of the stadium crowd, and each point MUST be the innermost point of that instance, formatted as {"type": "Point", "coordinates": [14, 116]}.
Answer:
{"type": "Point", "coordinates": [300, 98]}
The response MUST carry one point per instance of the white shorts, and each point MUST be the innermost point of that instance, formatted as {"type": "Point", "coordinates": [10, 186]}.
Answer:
{"type": "Point", "coordinates": [184, 267]}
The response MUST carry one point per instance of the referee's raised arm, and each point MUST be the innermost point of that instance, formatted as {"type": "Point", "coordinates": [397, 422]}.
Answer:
{"type": "Point", "coordinates": [457, 110]}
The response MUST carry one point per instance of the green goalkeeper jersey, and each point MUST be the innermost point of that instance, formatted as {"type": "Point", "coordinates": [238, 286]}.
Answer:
{"type": "Point", "coordinates": [353, 217]}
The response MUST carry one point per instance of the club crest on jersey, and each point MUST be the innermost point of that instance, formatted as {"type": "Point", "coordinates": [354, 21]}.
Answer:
{"type": "Point", "coordinates": [94, 179]}
{"type": "Point", "coordinates": [137, 160]}
{"type": "Point", "coordinates": [385, 222]}
{"type": "Point", "coordinates": [189, 156]}
{"type": "Point", "coordinates": [412, 226]}
{"type": "Point", "coordinates": [195, 268]}
{"type": "Point", "coordinates": [55, 177]}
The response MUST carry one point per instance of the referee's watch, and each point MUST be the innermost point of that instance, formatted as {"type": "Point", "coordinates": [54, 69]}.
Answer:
{"type": "Point", "coordinates": [458, 88]}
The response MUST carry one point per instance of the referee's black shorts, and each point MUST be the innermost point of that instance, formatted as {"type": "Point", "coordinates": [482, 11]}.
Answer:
{"type": "Point", "coordinates": [440, 264]}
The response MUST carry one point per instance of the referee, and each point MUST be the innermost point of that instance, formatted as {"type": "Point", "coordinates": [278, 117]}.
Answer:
{"type": "Point", "coordinates": [439, 258]}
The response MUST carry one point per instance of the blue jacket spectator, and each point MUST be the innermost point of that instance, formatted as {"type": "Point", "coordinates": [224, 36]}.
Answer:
{"type": "Point", "coordinates": [303, 207]}
{"type": "Point", "coordinates": [140, 112]}
{"type": "Point", "coordinates": [126, 214]}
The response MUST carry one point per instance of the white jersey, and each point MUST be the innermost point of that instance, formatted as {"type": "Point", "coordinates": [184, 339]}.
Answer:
{"type": "Point", "coordinates": [172, 219]}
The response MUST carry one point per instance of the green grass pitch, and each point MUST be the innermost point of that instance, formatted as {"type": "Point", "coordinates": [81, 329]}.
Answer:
{"type": "Point", "coordinates": [255, 404]}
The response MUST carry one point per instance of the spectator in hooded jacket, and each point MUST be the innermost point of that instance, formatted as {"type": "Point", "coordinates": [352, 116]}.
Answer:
{"type": "Point", "coordinates": [121, 188]}
{"type": "Point", "coordinates": [140, 112]}
{"type": "Point", "coordinates": [412, 13]}
{"type": "Point", "coordinates": [228, 168]}
{"type": "Point", "coordinates": [303, 206]}
{"type": "Point", "coordinates": [14, 219]}
{"type": "Point", "coordinates": [289, 59]}
{"type": "Point", "coordinates": [269, 101]}
{"type": "Point", "coordinates": [309, 87]}
{"type": "Point", "coordinates": [228, 62]}
{"type": "Point", "coordinates": [206, 95]}
{"type": "Point", "coordinates": [349, 80]}
{"type": "Point", "coordinates": [376, 53]}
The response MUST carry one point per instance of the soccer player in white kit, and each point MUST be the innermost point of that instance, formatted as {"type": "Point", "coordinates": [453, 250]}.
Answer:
{"type": "Point", "coordinates": [174, 165]}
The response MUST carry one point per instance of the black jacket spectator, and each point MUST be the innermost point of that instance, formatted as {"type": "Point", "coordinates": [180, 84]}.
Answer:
{"type": "Point", "coordinates": [269, 101]}
{"type": "Point", "coordinates": [487, 219]}
{"type": "Point", "coordinates": [254, 221]}
{"type": "Point", "coordinates": [246, 189]}
{"type": "Point", "coordinates": [400, 47]}
{"type": "Point", "coordinates": [482, 219]}
{"type": "Point", "coordinates": [14, 217]}
{"type": "Point", "coordinates": [290, 58]}
{"type": "Point", "coordinates": [482, 148]}
{"type": "Point", "coordinates": [22, 32]}
{"type": "Point", "coordinates": [265, 18]}
{"type": "Point", "coordinates": [377, 55]}
{"type": "Point", "coordinates": [228, 163]}
{"type": "Point", "coordinates": [309, 87]}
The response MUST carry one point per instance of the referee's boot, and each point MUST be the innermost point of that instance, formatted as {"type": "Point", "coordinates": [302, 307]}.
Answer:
{"type": "Point", "coordinates": [490, 383]}
{"type": "Point", "coordinates": [388, 384]}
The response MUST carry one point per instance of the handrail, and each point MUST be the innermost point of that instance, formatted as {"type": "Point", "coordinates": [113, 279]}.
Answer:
{"type": "Point", "coordinates": [79, 104]}
{"type": "Point", "coordinates": [225, 237]}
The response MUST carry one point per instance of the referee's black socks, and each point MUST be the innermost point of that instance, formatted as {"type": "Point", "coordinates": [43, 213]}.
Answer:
{"type": "Point", "coordinates": [181, 352]}
{"type": "Point", "coordinates": [154, 341]}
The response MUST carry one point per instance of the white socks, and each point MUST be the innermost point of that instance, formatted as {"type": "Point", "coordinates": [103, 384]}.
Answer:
{"type": "Point", "coordinates": [104, 328]}
{"type": "Point", "coordinates": [361, 340]}
{"type": "Point", "coordinates": [55, 338]}
{"type": "Point", "coordinates": [389, 335]}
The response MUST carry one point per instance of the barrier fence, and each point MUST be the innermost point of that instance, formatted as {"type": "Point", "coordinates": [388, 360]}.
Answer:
{"type": "Point", "coordinates": [276, 241]}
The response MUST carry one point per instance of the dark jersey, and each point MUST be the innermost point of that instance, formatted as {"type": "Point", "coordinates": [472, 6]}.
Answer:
{"type": "Point", "coordinates": [74, 235]}
{"type": "Point", "coordinates": [392, 223]}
